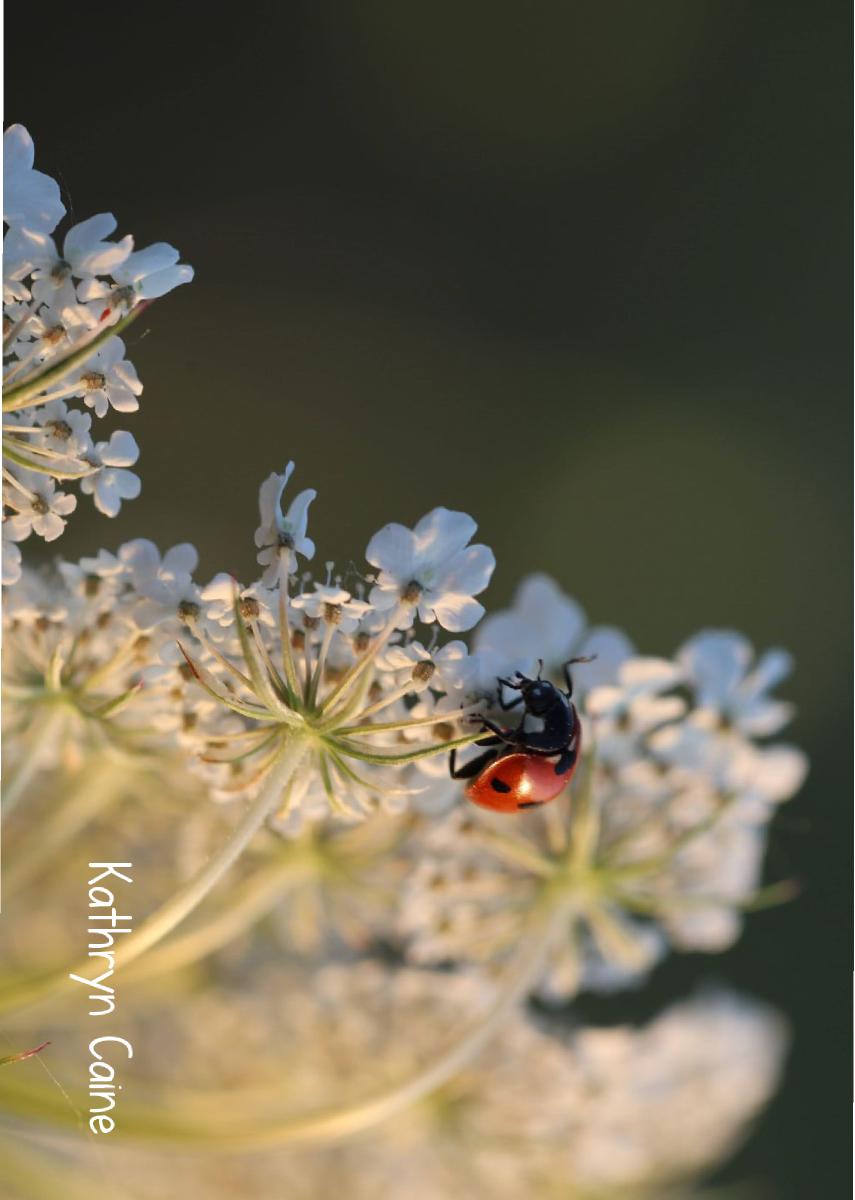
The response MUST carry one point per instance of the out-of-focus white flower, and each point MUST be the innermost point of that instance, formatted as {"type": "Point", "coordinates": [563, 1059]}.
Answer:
{"type": "Point", "coordinates": [546, 624]}
{"type": "Point", "coordinates": [431, 568]}
{"type": "Point", "coordinates": [165, 585]}
{"type": "Point", "coordinates": [718, 665]}
{"type": "Point", "coordinates": [627, 711]}
{"type": "Point", "coordinates": [11, 552]}
{"type": "Point", "coordinates": [30, 198]}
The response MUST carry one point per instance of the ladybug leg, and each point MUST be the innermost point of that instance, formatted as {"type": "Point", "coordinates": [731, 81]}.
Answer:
{"type": "Point", "coordinates": [568, 677]}
{"type": "Point", "coordinates": [471, 769]}
{"type": "Point", "coordinates": [512, 704]}
{"type": "Point", "coordinates": [567, 761]}
{"type": "Point", "coordinates": [510, 736]}
{"type": "Point", "coordinates": [489, 741]}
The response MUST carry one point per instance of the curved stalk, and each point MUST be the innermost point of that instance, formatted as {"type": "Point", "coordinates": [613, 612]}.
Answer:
{"type": "Point", "coordinates": [22, 394]}
{"type": "Point", "coordinates": [163, 1124]}
{"type": "Point", "coordinates": [43, 736]}
{"type": "Point", "coordinates": [93, 792]}
{"type": "Point", "coordinates": [187, 898]}
{"type": "Point", "coordinates": [260, 895]}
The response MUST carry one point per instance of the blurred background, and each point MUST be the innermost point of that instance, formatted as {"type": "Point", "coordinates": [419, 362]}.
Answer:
{"type": "Point", "coordinates": [572, 267]}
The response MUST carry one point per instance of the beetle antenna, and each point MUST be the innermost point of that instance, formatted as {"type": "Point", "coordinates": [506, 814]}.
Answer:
{"type": "Point", "coordinates": [539, 667]}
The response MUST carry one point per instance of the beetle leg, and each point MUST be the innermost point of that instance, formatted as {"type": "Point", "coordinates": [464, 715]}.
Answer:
{"type": "Point", "coordinates": [567, 761]}
{"type": "Point", "coordinates": [471, 769]}
{"type": "Point", "coordinates": [511, 736]}
{"type": "Point", "coordinates": [568, 677]}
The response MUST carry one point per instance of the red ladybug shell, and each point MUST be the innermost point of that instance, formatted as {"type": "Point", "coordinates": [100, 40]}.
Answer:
{"type": "Point", "coordinates": [517, 781]}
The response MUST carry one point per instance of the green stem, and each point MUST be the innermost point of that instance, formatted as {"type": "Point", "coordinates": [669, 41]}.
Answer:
{"type": "Point", "coordinates": [333, 699]}
{"type": "Point", "coordinates": [41, 740]}
{"type": "Point", "coordinates": [187, 898]}
{"type": "Point", "coordinates": [232, 1134]}
{"type": "Point", "coordinates": [20, 396]}
{"type": "Point", "coordinates": [95, 788]}
{"type": "Point", "coordinates": [263, 891]}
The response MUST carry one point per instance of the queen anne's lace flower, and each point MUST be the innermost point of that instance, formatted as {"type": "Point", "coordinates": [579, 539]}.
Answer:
{"type": "Point", "coordinates": [327, 709]}
{"type": "Point", "coordinates": [62, 309]}
{"type": "Point", "coordinates": [664, 841]}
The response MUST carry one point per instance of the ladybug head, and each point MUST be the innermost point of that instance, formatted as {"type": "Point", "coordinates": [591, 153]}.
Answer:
{"type": "Point", "coordinates": [538, 695]}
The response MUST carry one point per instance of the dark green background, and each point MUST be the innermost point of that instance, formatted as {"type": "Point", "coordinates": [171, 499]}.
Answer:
{"type": "Point", "coordinates": [573, 267]}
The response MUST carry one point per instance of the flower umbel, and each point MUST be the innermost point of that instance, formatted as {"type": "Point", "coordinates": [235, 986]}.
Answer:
{"type": "Point", "coordinates": [312, 667]}
{"type": "Point", "coordinates": [62, 312]}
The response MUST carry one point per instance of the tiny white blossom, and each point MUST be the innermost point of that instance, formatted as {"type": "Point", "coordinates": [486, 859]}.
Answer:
{"type": "Point", "coordinates": [39, 507]}
{"type": "Point", "coordinates": [335, 603]}
{"type": "Point", "coordinates": [85, 254]}
{"type": "Point", "coordinates": [165, 584]}
{"type": "Point", "coordinates": [152, 272]}
{"type": "Point", "coordinates": [282, 532]}
{"type": "Point", "coordinates": [107, 380]}
{"type": "Point", "coordinates": [112, 483]}
{"type": "Point", "coordinates": [219, 596]}
{"type": "Point", "coordinates": [448, 669]}
{"type": "Point", "coordinates": [434, 568]}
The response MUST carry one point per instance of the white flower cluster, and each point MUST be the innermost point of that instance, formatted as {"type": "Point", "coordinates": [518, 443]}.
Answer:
{"type": "Point", "coordinates": [661, 839]}
{"type": "Point", "coordinates": [63, 362]}
{"type": "Point", "coordinates": [664, 838]}
{"type": "Point", "coordinates": [144, 656]}
{"type": "Point", "coordinates": [629, 1113]}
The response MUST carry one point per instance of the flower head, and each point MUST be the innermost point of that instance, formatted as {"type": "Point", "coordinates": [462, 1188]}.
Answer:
{"type": "Point", "coordinates": [62, 311]}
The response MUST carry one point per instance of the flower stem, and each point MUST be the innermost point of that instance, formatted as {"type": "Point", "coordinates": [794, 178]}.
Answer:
{"type": "Point", "coordinates": [334, 698]}
{"type": "Point", "coordinates": [41, 742]}
{"type": "Point", "coordinates": [262, 892]}
{"type": "Point", "coordinates": [201, 1125]}
{"type": "Point", "coordinates": [96, 787]}
{"type": "Point", "coordinates": [187, 898]}
{"type": "Point", "coordinates": [22, 395]}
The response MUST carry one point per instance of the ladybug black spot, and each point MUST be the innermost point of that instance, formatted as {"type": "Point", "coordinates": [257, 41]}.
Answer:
{"type": "Point", "coordinates": [499, 785]}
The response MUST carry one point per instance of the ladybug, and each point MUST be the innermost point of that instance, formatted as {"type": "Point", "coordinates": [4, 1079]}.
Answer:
{"type": "Point", "coordinates": [524, 768]}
